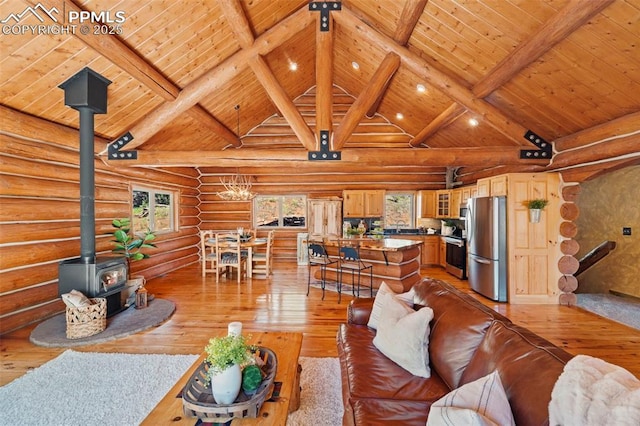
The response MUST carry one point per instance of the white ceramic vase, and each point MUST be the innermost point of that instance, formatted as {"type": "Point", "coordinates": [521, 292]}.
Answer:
{"type": "Point", "coordinates": [225, 386]}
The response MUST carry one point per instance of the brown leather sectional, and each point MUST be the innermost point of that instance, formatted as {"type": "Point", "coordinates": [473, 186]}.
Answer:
{"type": "Point", "coordinates": [467, 341]}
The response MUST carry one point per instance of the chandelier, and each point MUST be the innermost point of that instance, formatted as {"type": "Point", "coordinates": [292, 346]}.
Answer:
{"type": "Point", "coordinates": [236, 188]}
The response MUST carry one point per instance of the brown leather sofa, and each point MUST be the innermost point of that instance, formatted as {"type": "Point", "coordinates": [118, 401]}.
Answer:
{"type": "Point", "coordinates": [467, 341]}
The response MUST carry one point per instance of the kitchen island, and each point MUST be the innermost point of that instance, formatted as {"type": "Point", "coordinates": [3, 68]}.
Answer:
{"type": "Point", "coordinates": [395, 261]}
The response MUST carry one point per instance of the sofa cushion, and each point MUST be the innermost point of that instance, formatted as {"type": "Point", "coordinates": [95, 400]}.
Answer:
{"type": "Point", "coordinates": [528, 366]}
{"type": "Point", "coordinates": [376, 311]}
{"type": "Point", "coordinates": [458, 327]}
{"type": "Point", "coordinates": [481, 402]}
{"type": "Point", "coordinates": [370, 374]}
{"type": "Point", "coordinates": [385, 412]}
{"type": "Point", "coordinates": [403, 335]}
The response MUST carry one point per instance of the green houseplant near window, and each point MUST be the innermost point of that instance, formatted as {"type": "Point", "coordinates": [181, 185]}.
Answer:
{"type": "Point", "coordinates": [535, 206]}
{"type": "Point", "coordinates": [128, 244]}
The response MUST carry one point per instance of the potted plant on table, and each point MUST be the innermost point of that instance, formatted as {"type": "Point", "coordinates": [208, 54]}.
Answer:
{"type": "Point", "coordinates": [226, 356]}
{"type": "Point", "coordinates": [535, 206]}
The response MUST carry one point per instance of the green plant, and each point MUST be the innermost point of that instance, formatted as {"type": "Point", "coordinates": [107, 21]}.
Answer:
{"type": "Point", "coordinates": [223, 352]}
{"type": "Point", "coordinates": [538, 203]}
{"type": "Point", "coordinates": [130, 245]}
{"type": "Point", "coordinates": [449, 222]}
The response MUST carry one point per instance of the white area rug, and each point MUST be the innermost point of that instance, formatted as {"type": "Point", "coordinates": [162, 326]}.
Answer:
{"type": "Point", "coordinates": [321, 394]}
{"type": "Point", "coordinates": [88, 388]}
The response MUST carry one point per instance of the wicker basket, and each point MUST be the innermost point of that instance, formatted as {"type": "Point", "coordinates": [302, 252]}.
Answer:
{"type": "Point", "coordinates": [197, 400]}
{"type": "Point", "coordinates": [88, 320]}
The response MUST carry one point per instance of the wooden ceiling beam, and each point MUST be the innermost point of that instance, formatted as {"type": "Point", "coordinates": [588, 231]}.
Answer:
{"type": "Point", "coordinates": [324, 78]}
{"type": "Point", "coordinates": [280, 99]}
{"type": "Point", "coordinates": [119, 54]}
{"type": "Point", "coordinates": [217, 77]}
{"type": "Point", "coordinates": [560, 26]}
{"type": "Point", "coordinates": [629, 123]}
{"type": "Point", "coordinates": [600, 152]}
{"type": "Point", "coordinates": [409, 18]}
{"type": "Point", "coordinates": [447, 84]}
{"type": "Point", "coordinates": [447, 117]}
{"type": "Point", "coordinates": [239, 23]}
{"type": "Point", "coordinates": [371, 92]}
{"type": "Point", "coordinates": [571, 17]}
{"type": "Point", "coordinates": [485, 156]}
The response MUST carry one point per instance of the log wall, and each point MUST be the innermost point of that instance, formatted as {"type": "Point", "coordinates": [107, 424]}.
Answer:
{"type": "Point", "coordinates": [40, 216]}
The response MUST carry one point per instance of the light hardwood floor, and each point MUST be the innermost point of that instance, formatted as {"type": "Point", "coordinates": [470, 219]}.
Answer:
{"type": "Point", "coordinates": [203, 310]}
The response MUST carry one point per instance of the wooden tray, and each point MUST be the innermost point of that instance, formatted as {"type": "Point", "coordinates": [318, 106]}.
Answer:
{"type": "Point", "coordinates": [197, 400]}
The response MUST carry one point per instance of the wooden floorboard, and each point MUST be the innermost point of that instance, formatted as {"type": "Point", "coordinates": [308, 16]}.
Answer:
{"type": "Point", "coordinates": [204, 308]}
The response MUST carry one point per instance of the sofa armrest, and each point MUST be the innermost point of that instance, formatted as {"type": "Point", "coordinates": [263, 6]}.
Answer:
{"type": "Point", "coordinates": [359, 310]}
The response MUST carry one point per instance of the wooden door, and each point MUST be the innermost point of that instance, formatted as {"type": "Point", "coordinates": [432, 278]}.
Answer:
{"type": "Point", "coordinates": [430, 250]}
{"type": "Point", "coordinates": [428, 204]}
{"type": "Point", "coordinates": [333, 215]}
{"type": "Point", "coordinates": [316, 225]}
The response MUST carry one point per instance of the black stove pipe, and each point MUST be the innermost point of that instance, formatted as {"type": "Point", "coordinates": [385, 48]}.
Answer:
{"type": "Point", "coordinates": [87, 187]}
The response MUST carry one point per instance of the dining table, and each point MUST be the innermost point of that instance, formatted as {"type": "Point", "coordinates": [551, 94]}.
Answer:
{"type": "Point", "coordinates": [245, 244]}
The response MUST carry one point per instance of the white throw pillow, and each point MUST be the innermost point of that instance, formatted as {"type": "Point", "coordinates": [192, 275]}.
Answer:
{"type": "Point", "coordinates": [481, 402]}
{"type": "Point", "coordinates": [75, 299]}
{"type": "Point", "coordinates": [403, 335]}
{"type": "Point", "coordinates": [591, 391]}
{"type": "Point", "coordinates": [374, 318]}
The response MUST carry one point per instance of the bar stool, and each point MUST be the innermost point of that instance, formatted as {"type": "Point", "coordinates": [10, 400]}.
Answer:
{"type": "Point", "coordinates": [318, 256]}
{"type": "Point", "coordinates": [350, 260]}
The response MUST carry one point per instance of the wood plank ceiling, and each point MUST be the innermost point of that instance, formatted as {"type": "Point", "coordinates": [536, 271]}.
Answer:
{"type": "Point", "coordinates": [568, 70]}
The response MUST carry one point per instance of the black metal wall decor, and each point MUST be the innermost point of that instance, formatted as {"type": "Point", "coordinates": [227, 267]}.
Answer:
{"type": "Point", "coordinates": [545, 149]}
{"type": "Point", "coordinates": [116, 152]}
{"type": "Point", "coordinates": [325, 7]}
{"type": "Point", "coordinates": [324, 153]}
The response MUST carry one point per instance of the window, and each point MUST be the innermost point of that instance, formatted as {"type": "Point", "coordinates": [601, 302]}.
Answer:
{"type": "Point", "coordinates": [399, 210]}
{"type": "Point", "coordinates": [280, 211]}
{"type": "Point", "coordinates": [153, 210]}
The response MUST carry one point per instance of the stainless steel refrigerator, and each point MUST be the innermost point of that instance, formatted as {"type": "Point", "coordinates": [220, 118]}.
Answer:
{"type": "Point", "coordinates": [486, 225]}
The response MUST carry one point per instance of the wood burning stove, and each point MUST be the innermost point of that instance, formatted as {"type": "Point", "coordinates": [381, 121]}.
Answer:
{"type": "Point", "coordinates": [86, 92]}
{"type": "Point", "coordinates": [106, 277]}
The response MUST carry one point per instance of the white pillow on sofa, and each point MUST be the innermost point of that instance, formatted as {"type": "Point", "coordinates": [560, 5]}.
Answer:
{"type": "Point", "coordinates": [481, 402]}
{"type": "Point", "coordinates": [403, 335]}
{"type": "Point", "coordinates": [384, 289]}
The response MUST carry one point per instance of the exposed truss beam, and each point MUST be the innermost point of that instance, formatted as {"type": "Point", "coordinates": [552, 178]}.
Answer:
{"type": "Point", "coordinates": [408, 20]}
{"type": "Point", "coordinates": [358, 109]}
{"type": "Point", "coordinates": [217, 77]}
{"type": "Point", "coordinates": [560, 26]}
{"type": "Point", "coordinates": [112, 48]}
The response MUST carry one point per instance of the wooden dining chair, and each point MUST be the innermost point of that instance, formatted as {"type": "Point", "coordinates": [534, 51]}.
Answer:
{"type": "Point", "coordinates": [262, 260]}
{"type": "Point", "coordinates": [229, 254]}
{"type": "Point", "coordinates": [208, 251]}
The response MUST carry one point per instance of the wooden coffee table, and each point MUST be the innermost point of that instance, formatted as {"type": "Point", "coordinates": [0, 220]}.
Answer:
{"type": "Point", "coordinates": [287, 349]}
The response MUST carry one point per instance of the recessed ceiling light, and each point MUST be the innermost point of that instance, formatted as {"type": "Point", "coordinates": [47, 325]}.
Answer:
{"type": "Point", "coordinates": [420, 88]}
{"type": "Point", "coordinates": [293, 66]}
{"type": "Point", "coordinates": [399, 116]}
{"type": "Point", "coordinates": [473, 122]}
{"type": "Point", "coordinates": [355, 65]}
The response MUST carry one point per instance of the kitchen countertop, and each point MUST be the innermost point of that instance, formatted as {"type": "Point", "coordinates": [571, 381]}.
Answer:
{"type": "Point", "coordinates": [377, 244]}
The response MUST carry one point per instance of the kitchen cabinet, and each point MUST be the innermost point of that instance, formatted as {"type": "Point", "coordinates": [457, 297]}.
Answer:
{"type": "Point", "coordinates": [363, 203]}
{"type": "Point", "coordinates": [493, 186]}
{"type": "Point", "coordinates": [443, 203]}
{"type": "Point", "coordinates": [442, 248]}
{"type": "Point", "coordinates": [456, 200]}
{"type": "Point", "coordinates": [325, 218]}
{"type": "Point", "coordinates": [427, 203]}
{"type": "Point", "coordinates": [430, 250]}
